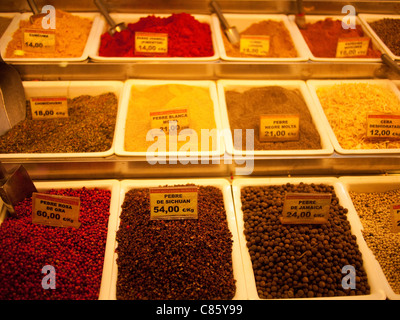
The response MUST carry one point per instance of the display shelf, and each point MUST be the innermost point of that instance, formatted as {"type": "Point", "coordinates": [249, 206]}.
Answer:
{"type": "Point", "coordinates": [202, 6]}
{"type": "Point", "coordinates": [303, 70]}
{"type": "Point", "coordinates": [138, 167]}
{"type": "Point", "coordinates": [128, 167]}
{"type": "Point", "coordinates": [133, 167]}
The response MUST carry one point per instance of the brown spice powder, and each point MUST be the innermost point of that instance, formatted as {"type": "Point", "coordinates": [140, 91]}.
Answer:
{"type": "Point", "coordinates": [281, 44]}
{"type": "Point", "coordinates": [244, 110]}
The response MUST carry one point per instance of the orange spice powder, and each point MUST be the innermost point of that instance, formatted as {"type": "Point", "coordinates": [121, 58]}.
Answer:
{"type": "Point", "coordinates": [71, 36]}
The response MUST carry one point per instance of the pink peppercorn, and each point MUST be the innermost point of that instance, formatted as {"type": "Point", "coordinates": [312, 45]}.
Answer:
{"type": "Point", "coordinates": [76, 254]}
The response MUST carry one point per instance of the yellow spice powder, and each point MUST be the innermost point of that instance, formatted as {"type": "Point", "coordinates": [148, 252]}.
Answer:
{"type": "Point", "coordinates": [280, 43]}
{"type": "Point", "coordinates": [71, 37]}
{"type": "Point", "coordinates": [158, 98]}
{"type": "Point", "coordinates": [346, 106]}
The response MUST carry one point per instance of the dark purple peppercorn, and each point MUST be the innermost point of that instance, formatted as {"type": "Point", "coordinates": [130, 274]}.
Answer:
{"type": "Point", "coordinates": [174, 259]}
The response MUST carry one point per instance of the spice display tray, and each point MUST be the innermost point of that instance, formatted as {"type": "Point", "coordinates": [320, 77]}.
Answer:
{"type": "Point", "coordinates": [69, 89]}
{"type": "Point", "coordinates": [225, 187]}
{"type": "Point", "coordinates": [127, 18]}
{"type": "Point", "coordinates": [376, 293]}
{"type": "Point", "coordinates": [242, 85]}
{"type": "Point", "coordinates": [373, 184]}
{"type": "Point", "coordinates": [313, 85]}
{"type": "Point", "coordinates": [243, 21]}
{"type": "Point", "coordinates": [142, 84]}
{"type": "Point", "coordinates": [366, 19]}
{"type": "Point", "coordinates": [7, 37]}
{"type": "Point", "coordinates": [315, 18]}
{"type": "Point", "coordinates": [8, 15]}
{"type": "Point", "coordinates": [114, 187]}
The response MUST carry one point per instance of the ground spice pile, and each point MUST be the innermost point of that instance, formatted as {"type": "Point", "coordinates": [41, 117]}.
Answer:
{"type": "Point", "coordinates": [280, 44]}
{"type": "Point", "coordinates": [72, 33]}
{"type": "Point", "coordinates": [196, 100]}
{"type": "Point", "coordinates": [388, 30]}
{"type": "Point", "coordinates": [245, 108]}
{"type": "Point", "coordinates": [187, 37]}
{"type": "Point", "coordinates": [373, 209]}
{"type": "Point", "coordinates": [175, 259]}
{"type": "Point", "coordinates": [322, 38]}
{"type": "Point", "coordinates": [346, 107]}
{"type": "Point", "coordinates": [89, 128]}
{"type": "Point", "coordinates": [76, 254]}
{"type": "Point", "coordinates": [303, 260]}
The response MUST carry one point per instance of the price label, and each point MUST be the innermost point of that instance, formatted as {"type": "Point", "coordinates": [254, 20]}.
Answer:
{"type": "Point", "coordinates": [173, 203]}
{"type": "Point", "coordinates": [39, 40]}
{"type": "Point", "coordinates": [383, 126]}
{"type": "Point", "coordinates": [49, 107]}
{"type": "Point", "coordinates": [151, 43]}
{"type": "Point", "coordinates": [256, 45]}
{"type": "Point", "coordinates": [304, 208]}
{"type": "Point", "coordinates": [352, 47]}
{"type": "Point", "coordinates": [395, 212]}
{"type": "Point", "coordinates": [170, 121]}
{"type": "Point", "coordinates": [54, 210]}
{"type": "Point", "coordinates": [279, 127]}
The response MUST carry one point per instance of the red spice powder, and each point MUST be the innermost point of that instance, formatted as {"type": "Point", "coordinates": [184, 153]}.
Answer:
{"type": "Point", "coordinates": [187, 37]}
{"type": "Point", "coordinates": [76, 254]}
{"type": "Point", "coordinates": [322, 38]}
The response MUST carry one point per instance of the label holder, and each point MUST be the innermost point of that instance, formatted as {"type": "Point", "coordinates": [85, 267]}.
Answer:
{"type": "Point", "coordinates": [306, 208]}
{"type": "Point", "coordinates": [256, 45]}
{"type": "Point", "coordinates": [395, 217]}
{"type": "Point", "coordinates": [383, 126]}
{"type": "Point", "coordinates": [352, 47]}
{"type": "Point", "coordinates": [150, 43]}
{"type": "Point", "coordinates": [49, 107]}
{"type": "Point", "coordinates": [279, 127]}
{"type": "Point", "coordinates": [173, 203]}
{"type": "Point", "coordinates": [38, 40]}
